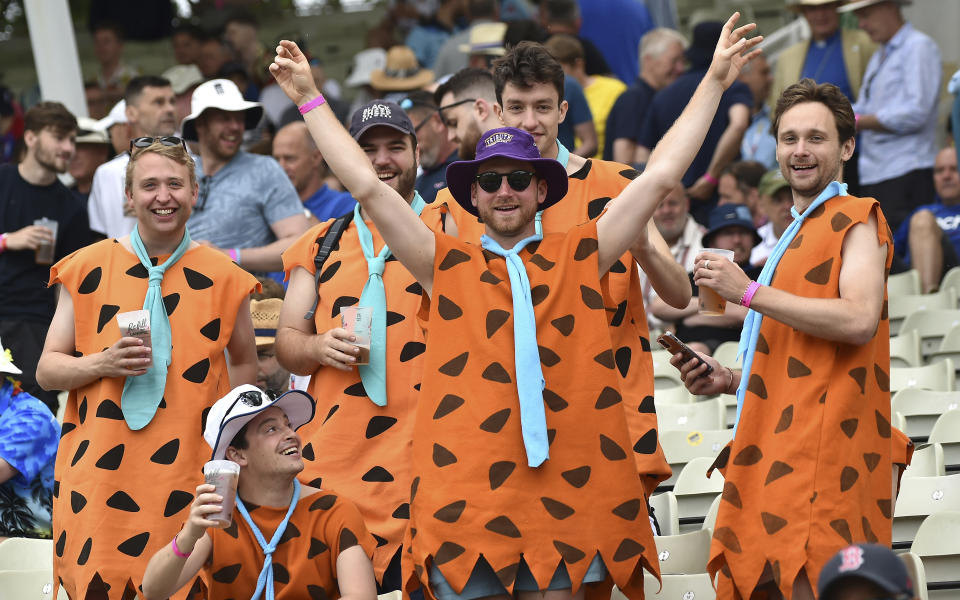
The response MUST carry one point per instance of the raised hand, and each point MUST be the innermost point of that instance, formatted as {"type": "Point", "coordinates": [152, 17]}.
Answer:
{"type": "Point", "coordinates": [292, 72]}
{"type": "Point", "coordinates": [733, 51]}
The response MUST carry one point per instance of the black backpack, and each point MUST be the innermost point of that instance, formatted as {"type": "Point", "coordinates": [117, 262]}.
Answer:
{"type": "Point", "coordinates": [326, 242]}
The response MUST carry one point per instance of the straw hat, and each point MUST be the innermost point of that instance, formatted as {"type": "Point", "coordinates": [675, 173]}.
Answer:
{"type": "Point", "coordinates": [852, 6]}
{"type": "Point", "coordinates": [401, 73]}
{"type": "Point", "coordinates": [265, 314]}
{"type": "Point", "coordinates": [796, 5]}
{"type": "Point", "coordinates": [486, 39]}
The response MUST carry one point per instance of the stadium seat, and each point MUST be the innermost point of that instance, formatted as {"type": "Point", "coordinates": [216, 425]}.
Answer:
{"type": "Point", "coordinates": [938, 546]}
{"type": "Point", "coordinates": [938, 377]}
{"type": "Point", "coordinates": [899, 307]}
{"type": "Point", "coordinates": [696, 586]}
{"type": "Point", "coordinates": [927, 461]}
{"type": "Point", "coordinates": [905, 283]}
{"type": "Point", "coordinates": [919, 497]}
{"type": "Point", "coordinates": [665, 375]}
{"type": "Point", "coordinates": [905, 350]}
{"type": "Point", "coordinates": [931, 325]}
{"type": "Point", "coordinates": [684, 553]}
{"type": "Point", "coordinates": [710, 521]}
{"type": "Point", "coordinates": [917, 574]}
{"type": "Point", "coordinates": [726, 354]}
{"type": "Point", "coordinates": [25, 554]}
{"type": "Point", "coordinates": [672, 395]}
{"type": "Point", "coordinates": [946, 432]}
{"type": "Point", "coordinates": [950, 281]}
{"type": "Point", "coordinates": [665, 509]}
{"type": "Point", "coordinates": [32, 584]}
{"type": "Point", "coordinates": [922, 408]}
{"type": "Point", "coordinates": [696, 416]}
{"type": "Point", "coordinates": [680, 447]}
{"type": "Point", "coordinates": [695, 492]}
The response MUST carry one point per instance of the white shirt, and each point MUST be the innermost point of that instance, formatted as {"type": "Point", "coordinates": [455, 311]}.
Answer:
{"type": "Point", "coordinates": [105, 205]}
{"type": "Point", "coordinates": [768, 239]}
{"type": "Point", "coordinates": [684, 251]}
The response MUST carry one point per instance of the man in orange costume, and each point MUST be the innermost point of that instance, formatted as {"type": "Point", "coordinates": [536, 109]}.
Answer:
{"type": "Point", "coordinates": [809, 470]}
{"type": "Point", "coordinates": [361, 444]}
{"type": "Point", "coordinates": [119, 445]}
{"type": "Point", "coordinates": [505, 496]}
{"type": "Point", "coordinates": [529, 90]}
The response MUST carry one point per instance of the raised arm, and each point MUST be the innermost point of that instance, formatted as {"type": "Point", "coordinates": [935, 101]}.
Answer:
{"type": "Point", "coordinates": [410, 240]}
{"type": "Point", "coordinates": [621, 225]}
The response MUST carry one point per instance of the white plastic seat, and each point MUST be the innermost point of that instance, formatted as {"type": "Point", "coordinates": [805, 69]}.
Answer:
{"type": "Point", "coordinates": [684, 553]}
{"type": "Point", "coordinates": [917, 574]}
{"type": "Point", "coordinates": [672, 395]}
{"type": "Point", "coordinates": [726, 354]}
{"type": "Point", "coordinates": [902, 284]}
{"type": "Point", "coordinates": [710, 522]}
{"type": "Point", "coordinates": [17, 554]}
{"type": "Point", "coordinates": [696, 416]}
{"type": "Point", "coordinates": [937, 376]}
{"type": "Point", "coordinates": [665, 375]}
{"type": "Point", "coordinates": [905, 350]}
{"type": "Point", "coordinates": [665, 510]}
{"type": "Point", "coordinates": [921, 409]}
{"type": "Point", "coordinates": [32, 584]}
{"type": "Point", "coordinates": [951, 280]}
{"type": "Point", "coordinates": [695, 492]}
{"type": "Point", "coordinates": [696, 586]}
{"type": "Point", "coordinates": [927, 461]}
{"type": "Point", "coordinates": [900, 306]}
{"type": "Point", "coordinates": [946, 432]}
{"type": "Point", "coordinates": [680, 447]}
{"type": "Point", "coordinates": [920, 497]}
{"type": "Point", "coordinates": [937, 544]}
{"type": "Point", "coordinates": [931, 325]}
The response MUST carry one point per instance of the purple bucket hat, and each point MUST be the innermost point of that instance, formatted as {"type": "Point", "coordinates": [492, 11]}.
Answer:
{"type": "Point", "coordinates": [507, 142]}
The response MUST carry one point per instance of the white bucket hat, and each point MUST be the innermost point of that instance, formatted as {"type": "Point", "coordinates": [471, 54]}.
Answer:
{"type": "Point", "coordinates": [183, 77]}
{"type": "Point", "coordinates": [245, 402]}
{"type": "Point", "coordinates": [365, 62]}
{"type": "Point", "coordinates": [89, 132]}
{"type": "Point", "coordinates": [222, 94]}
{"type": "Point", "coordinates": [6, 362]}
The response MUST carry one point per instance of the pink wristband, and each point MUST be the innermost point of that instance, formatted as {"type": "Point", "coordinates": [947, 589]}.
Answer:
{"type": "Point", "coordinates": [234, 255]}
{"type": "Point", "coordinates": [748, 294]}
{"type": "Point", "coordinates": [710, 179]}
{"type": "Point", "coordinates": [305, 108]}
{"type": "Point", "coordinates": [176, 550]}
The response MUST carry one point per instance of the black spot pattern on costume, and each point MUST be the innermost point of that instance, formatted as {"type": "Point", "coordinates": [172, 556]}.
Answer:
{"type": "Point", "coordinates": [91, 282]}
{"type": "Point", "coordinates": [211, 330]}
{"type": "Point", "coordinates": [110, 461]}
{"type": "Point", "coordinates": [647, 444]}
{"type": "Point", "coordinates": [85, 552]}
{"type": "Point", "coordinates": [177, 501]}
{"type": "Point", "coordinates": [377, 474]}
{"type": "Point", "coordinates": [378, 424]}
{"type": "Point", "coordinates": [340, 302]}
{"type": "Point", "coordinates": [134, 546]}
{"type": "Point", "coordinates": [107, 312]}
{"type": "Point", "coordinates": [81, 450]}
{"type": "Point", "coordinates": [196, 280]}
{"type": "Point", "coordinates": [197, 373]}
{"type": "Point", "coordinates": [170, 302]}
{"type": "Point", "coordinates": [122, 501]}
{"type": "Point", "coordinates": [412, 350]}
{"type": "Point", "coordinates": [167, 453]}
{"type": "Point", "coordinates": [77, 501]}
{"type": "Point", "coordinates": [109, 409]}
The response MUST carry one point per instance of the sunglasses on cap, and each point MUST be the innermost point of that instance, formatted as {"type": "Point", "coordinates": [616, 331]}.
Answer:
{"type": "Point", "coordinates": [490, 181]}
{"type": "Point", "coordinates": [166, 140]}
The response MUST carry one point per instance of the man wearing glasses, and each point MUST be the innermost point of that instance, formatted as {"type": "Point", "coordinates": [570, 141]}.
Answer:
{"type": "Point", "coordinates": [437, 150]}
{"type": "Point", "coordinates": [247, 208]}
{"type": "Point", "coordinates": [138, 394]}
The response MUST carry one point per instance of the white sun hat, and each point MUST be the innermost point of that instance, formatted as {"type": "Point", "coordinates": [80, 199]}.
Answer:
{"type": "Point", "coordinates": [224, 95]}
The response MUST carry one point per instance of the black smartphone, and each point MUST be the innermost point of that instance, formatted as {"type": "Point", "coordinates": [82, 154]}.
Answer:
{"type": "Point", "coordinates": [674, 345]}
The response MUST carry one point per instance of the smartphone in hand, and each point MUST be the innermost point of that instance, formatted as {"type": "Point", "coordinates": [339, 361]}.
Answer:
{"type": "Point", "coordinates": [674, 345]}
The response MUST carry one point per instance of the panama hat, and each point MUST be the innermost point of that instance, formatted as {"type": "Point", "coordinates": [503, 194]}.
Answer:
{"type": "Point", "coordinates": [401, 72]}
{"type": "Point", "coordinates": [486, 39]}
{"type": "Point", "coordinates": [265, 314]}
{"type": "Point", "coordinates": [224, 95]}
{"type": "Point", "coordinates": [852, 6]}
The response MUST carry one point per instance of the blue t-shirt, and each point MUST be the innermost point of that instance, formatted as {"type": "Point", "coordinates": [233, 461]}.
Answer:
{"type": "Point", "coordinates": [948, 218]}
{"type": "Point", "coordinates": [616, 26]}
{"type": "Point", "coordinates": [29, 435]}
{"type": "Point", "coordinates": [327, 203]}
{"type": "Point", "coordinates": [435, 179]}
{"type": "Point", "coordinates": [626, 117]}
{"type": "Point", "coordinates": [825, 64]}
{"type": "Point", "coordinates": [578, 111]}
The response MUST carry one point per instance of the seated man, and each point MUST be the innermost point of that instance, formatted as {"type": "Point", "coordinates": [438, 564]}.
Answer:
{"type": "Point", "coordinates": [776, 200]}
{"type": "Point", "coordinates": [865, 571]}
{"type": "Point", "coordinates": [930, 238]}
{"type": "Point", "coordinates": [320, 549]}
{"type": "Point", "coordinates": [28, 448]}
{"type": "Point", "coordinates": [731, 228]}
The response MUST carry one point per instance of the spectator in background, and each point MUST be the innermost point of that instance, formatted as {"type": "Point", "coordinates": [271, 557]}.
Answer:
{"type": "Point", "coordinates": [485, 45]}
{"type": "Point", "coordinates": [117, 128]}
{"type": "Point", "coordinates": [183, 79]}
{"type": "Point", "coordinates": [93, 149]}
{"type": "Point", "coordinates": [758, 143]}
{"type": "Point", "coordinates": [364, 64]}
{"type": "Point", "coordinates": [113, 74]}
{"type": "Point", "coordinates": [661, 62]}
{"type": "Point", "coordinates": [400, 75]}
{"type": "Point", "coordinates": [431, 31]}
{"type": "Point", "coordinates": [436, 148]}
{"type": "Point", "coordinates": [240, 33]}
{"type": "Point", "coordinates": [776, 200]}
{"type": "Point", "coordinates": [28, 192]}
{"type": "Point", "coordinates": [213, 55]}
{"type": "Point", "coordinates": [601, 91]}
{"type": "Point", "coordinates": [616, 27]}
{"type": "Point", "coordinates": [271, 376]}
{"type": "Point", "coordinates": [11, 125]}
{"type": "Point", "coordinates": [29, 434]}
{"type": "Point", "coordinates": [930, 239]}
{"type": "Point", "coordinates": [150, 111]}
{"type": "Point", "coordinates": [450, 57]}
{"type": "Point", "coordinates": [97, 104]}
{"type": "Point", "coordinates": [722, 144]}
{"type": "Point", "coordinates": [297, 154]}
{"type": "Point", "coordinates": [738, 185]}
{"type": "Point", "coordinates": [563, 17]}
{"type": "Point", "coordinates": [731, 228]}
{"type": "Point", "coordinates": [186, 41]}
{"type": "Point", "coordinates": [897, 110]}
{"type": "Point", "coordinates": [247, 207]}
{"type": "Point", "coordinates": [466, 104]}
{"type": "Point", "coordinates": [865, 571]}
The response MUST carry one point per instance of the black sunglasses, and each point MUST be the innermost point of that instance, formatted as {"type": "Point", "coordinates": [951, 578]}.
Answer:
{"type": "Point", "coordinates": [451, 105]}
{"type": "Point", "coordinates": [166, 140]}
{"type": "Point", "coordinates": [490, 181]}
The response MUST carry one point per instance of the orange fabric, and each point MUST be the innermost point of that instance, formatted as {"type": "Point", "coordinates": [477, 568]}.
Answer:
{"type": "Point", "coordinates": [473, 493]}
{"type": "Point", "coordinates": [122, 495]}
{"type": "Point", "coordinates": [589, 191]}
{"type": "Point", "coordinates": [356, 447]}
{"type": "Point", "coordinates": [305, 562]}
{"type": "Point", "coordinates": [810, 469]}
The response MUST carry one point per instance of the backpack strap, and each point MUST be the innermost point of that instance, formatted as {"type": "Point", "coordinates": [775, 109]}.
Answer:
{"type": "Point", "coordinates": [326, 242]}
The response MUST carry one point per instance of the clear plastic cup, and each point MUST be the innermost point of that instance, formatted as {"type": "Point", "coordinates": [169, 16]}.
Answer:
{"type": "Point", "coordinates": [44, 253]}
{"type": "Point", "coordinates": [223, 475]}
{"type": "Point", "coordinates": [711, 303]}
{"type": "Point", "coordinates": [358, 320]}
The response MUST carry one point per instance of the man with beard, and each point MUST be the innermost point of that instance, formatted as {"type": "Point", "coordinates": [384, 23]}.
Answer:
{"type": "Point", "coordinates": [810, 467]}
{"type": "Point", "coordinates": [150, 111]}
{"type": "Point", "coordinates": [466, 103]}
{"type": "Point", "coordinates": [437, 150]}
{"type": "Point", "coordinates": [516, 326]}
{"type": "Point", "coordinates": [362, 446]}
{"type": "Point", "coordinates": [28, 192]}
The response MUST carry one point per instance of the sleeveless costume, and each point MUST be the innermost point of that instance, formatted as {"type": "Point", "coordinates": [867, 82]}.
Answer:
{"type": "Point", "coordinates": [814, 445]}
{"type": "Point", "coordinates": [473, 493]}
{"type": "Point", "coordinates": [356, 447]}
{"type": "Point", "coordinates": [589, 190]}
{"type": "Point", "coordinates": [305, 562]}
{"type": "Point", "coordinates": [108, 517]}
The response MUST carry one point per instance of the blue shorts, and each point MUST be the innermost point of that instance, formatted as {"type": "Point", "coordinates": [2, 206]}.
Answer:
{"type": "Point", "coordinates": [484, 582]}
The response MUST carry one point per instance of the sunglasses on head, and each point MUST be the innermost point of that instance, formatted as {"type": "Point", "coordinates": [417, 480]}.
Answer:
{"type": "Point", "coordinates": [452, 105]}
{"type": "Point", "coordinates": [491, 181]}
{"type": "Point", "coordinates": [166, 140]}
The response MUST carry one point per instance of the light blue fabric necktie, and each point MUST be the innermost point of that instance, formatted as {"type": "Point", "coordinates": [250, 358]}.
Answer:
{"type": "Point", "coordinates": [374, 375]}
{"type": "Point", "coordinates": [563, 157]}
{"type": "Point", "coordinates": [751, 324]}
{"type": "Point", "coordinates": [530, 382]}
{"type": "Point", "coordinates": [142, 394]}
{"type": "Point", "coordinates": [266, 573]}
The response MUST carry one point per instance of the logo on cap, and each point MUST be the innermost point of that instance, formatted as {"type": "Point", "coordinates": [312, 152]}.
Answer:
{"type": "Point", "coordinates": [218, 88]}
{"type": "Point", "coordinates": [376, 110]}
{"type": "Point", "coordinates": [251, 398]}
{"type": "Point", "coordinates": [851, 559]}
{"type": "Point", "coordinates": [498, 138]}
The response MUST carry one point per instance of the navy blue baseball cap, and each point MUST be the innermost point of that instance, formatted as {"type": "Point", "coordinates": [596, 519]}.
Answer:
{"type": "Point", "coordinates": [730, 215]}
{"type": "Point", "coordinates": [872, 562]}
{"type": "Point", "coordinates": [380, 112]}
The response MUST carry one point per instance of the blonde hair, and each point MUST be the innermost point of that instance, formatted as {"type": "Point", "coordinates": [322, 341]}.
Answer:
{"type": "Point", "coordinates": [177, 154]}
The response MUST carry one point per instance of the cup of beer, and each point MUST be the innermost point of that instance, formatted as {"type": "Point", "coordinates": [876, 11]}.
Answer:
{"type": "Point", "coordinates": [223, 475]}
{"type": "Point", "coordinates": [711, 303]}
{"type": "Point", "coordinates": [358, 320]}
{"type": "Point", "coordinates": [44, 253]}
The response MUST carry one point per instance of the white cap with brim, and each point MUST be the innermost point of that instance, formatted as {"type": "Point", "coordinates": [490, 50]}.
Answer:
{"type": "Point", "coordinates": [183, 77]}
{"type": "Point", "coordinates": [366, 62]}
{"type": "Point", "coordinates": [6, 362]}
{"type": "Point", "coordinates": [222, 94]}
{"type": "Point", "coordinates": [117, 114]}
{"type": "Point", "coordinates": [242, 404]}
{"type": "Point", "coordinates": [89, 132]}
